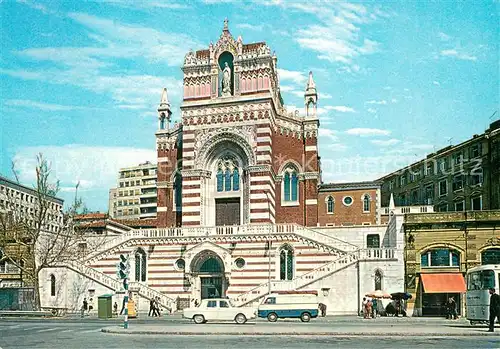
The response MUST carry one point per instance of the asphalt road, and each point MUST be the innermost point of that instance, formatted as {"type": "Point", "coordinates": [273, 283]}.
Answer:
{"type": "Point", "coordinates": [74, 333]}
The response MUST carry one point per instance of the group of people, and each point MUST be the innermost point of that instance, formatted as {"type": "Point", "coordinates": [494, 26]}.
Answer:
{"type": "Point", "coordinates": [451, 309]}
{"type": "Point", "coordinates": [370, 308]}
{"type": "Point", "coordinates": [154, 307]}
{"type": "Point", "coordinates": [87, 307]}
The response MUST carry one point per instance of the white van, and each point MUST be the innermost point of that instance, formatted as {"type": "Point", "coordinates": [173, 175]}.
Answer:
{"type": "Point", "coordinates": [290, 304]}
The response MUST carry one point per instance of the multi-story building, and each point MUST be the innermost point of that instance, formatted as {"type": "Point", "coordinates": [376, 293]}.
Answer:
{"type": "Point", "coordinates": [455, 178]}
{"type": "Point", "coordinates": [19, 205]}
{"type": "Point", "coordinates": [135, 195]}
{"type": "Point", "coordinates": [440, 248]}
{"type": "Point", "coordinates": [241, 208]}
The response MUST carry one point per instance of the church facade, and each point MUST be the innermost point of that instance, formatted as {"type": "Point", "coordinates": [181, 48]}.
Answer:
{"type": "Point", "coordinates": [241, 208]}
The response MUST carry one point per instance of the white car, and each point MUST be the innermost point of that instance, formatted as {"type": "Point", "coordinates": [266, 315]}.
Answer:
{"type": "Point", "coordinates": [219, 310]}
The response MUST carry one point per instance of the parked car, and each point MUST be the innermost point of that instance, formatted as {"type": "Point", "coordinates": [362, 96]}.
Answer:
{"type": "Point", "coordinates": [290, 304]}
{"type": "Point", "coordinates": [218, 310]}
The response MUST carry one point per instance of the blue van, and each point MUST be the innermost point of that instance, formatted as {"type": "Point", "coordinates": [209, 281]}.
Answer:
{"type": "Point", "coordinates": [296, 304]}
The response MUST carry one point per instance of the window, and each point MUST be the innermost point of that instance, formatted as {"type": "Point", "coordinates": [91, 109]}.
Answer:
{"type": "Point", "coordinates": [475, 150]}
{"type": "Point", "coordinates": [212, 304]}
{"type": "Point", "coordinates": [476, 176]}
{"type": "Point", "coordinates": [180, 264]}
{"type": "Point", "coordinates": [481, 280]}
{"type": "Point", "coordinates": [330, 205]}
{"type": "Point", "coordinates": [347, 200]}
{"type": "Point", "coordinates": [490, 256]}
{"type": "Point", "coordinates": [441, 257]}
{"type": "Point", "coordinates": [228, 176]}
{"type": "Point", "coordinates": [477, 203]}
{"type": "Point", "coordinates": [366, 203]}
{"type": "Point", "coordinates": [458, 182]}
{"type": "Point", "coordinates": [391, 185]}
{"type": "Point", "coordinates": [178, 192]}
{"type": "Point", "coordinates": [224, 304]}
{"type": "Point", "coordinates": [402, 180]}
{"type": "Point", "coordinates": [52, 285]}
{"type": "Point", "coordinates": [414, 197]}
{"type": "Point", "coordinates": [140, 265]}
{"type": "Point", "coordinates": [286, 263]}
{"type": "Point", "coordinates": [240, 263]}
{"type": "Point", "coordinates": [442, 207]}
{"type": "Point", "coordinates": [429, 194]}
{"type": "Point", "coordinates": [429, 169]}
{"type": "Point", "coordinates": [290, 185]}
{"type": "Point", "coordinates": [378, 280]}
{"type": "Point", "coordinates": [458, 158]}
{"type": "Point", "coordinates": [460, 206]}
{"type": "Point", "coordinates": [372, 241]}
{"type": "Point", "coordinates": [443, 187]}
{"type": "Point", "coordinates": [270, 300]}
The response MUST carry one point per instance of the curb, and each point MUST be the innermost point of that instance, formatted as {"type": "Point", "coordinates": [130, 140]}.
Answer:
{"type": "Point", "coordinates": [296, 334]}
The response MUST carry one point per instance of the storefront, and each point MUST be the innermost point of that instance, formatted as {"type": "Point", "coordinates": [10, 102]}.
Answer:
{"type": "Point", "coordinates": [437, 289]}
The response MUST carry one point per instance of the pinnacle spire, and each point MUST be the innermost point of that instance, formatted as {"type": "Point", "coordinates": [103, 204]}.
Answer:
{"type": "Point", "coordinates": [226, 27]}
{"type": "Point", "coordinates": [164, 98]}
{"type": "Point", "coordinates": [310, 82]}
{"type": "Point", "coordinates": [392, 207]}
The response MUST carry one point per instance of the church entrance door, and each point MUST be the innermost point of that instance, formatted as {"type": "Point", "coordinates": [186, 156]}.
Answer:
{"type": "Point", "coordinates": [227, 211]}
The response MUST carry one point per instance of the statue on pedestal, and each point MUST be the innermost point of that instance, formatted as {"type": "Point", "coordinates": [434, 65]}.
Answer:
{"type": "Point", "coordinates": [226, 81]}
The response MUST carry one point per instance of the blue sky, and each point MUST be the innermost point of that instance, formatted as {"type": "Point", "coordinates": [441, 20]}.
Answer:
{"type": "Point", "coordinates": [81, 80]}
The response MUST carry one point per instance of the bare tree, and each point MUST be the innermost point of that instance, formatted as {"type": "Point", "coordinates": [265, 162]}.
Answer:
{"type": "Point", "coordinates": [37, 234]}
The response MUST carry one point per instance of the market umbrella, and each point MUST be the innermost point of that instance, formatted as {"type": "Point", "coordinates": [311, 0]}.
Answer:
{"type": "Point", "coordinates": [401, 295]}
{"type": "Point", "coordinates": [378, 294]}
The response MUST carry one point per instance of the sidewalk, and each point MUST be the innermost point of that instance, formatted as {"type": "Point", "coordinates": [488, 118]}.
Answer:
{"type": "Point", "coordinates": [341, 328]}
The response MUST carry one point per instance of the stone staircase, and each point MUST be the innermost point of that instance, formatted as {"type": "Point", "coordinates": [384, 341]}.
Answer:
{"type": "Point", "coordinates": [298, 282]}
{"type": "Point", "coordinates": [117, 285]}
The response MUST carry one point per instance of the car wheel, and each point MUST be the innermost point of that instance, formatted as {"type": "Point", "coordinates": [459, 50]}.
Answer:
{"type": "Point", "coordinates": [272, 317]}
{"type": "Point", "coordinates": [199, 319]}
{"type": "Point", "coordinates": [240, 319]}
{"type": "Point", "coordinates": [305, 317]}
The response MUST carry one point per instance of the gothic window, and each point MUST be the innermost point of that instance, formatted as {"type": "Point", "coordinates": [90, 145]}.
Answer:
{"type": "Point", "coordinates": [140, 265]}
{"type": "Point", "coordinates": [52, 285]}
{"type": "Point", "coordinates": [330, 203]}
{"type": "Point", "coordinates": [211, 265]}
{"type": "Point", "coordinates": [366, 203]}
{"type": "Point", "coordinates": [228, 175]}
{"type": "Point", "coordinates": [490, 256]}
{"type": "Point", "coordinates": [372, 241]}
{"type": "Point", "coordinates": [286, 263]}
{"type": "Point", "coordinates": [290, 185]}
{"type": "Point", "coordinates": [378, 280]}
{"type": "Point", "coordinates": [162, 123]}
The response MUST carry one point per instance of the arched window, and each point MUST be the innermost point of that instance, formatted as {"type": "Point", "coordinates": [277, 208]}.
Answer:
{"type": "Point", "coordinates": [378, 280]}
{"type": "Point", "coordinates": [330, 205]}
{"type": "Point", "coordinates": [366, 203]}
{"type": "Point", "coordinates": [220, 181]}
{"type": "Point", "coordinates": [228, 175]}
{"type": "Point", "coordinates": [236, 180]}
{"type": "Point", "coordinates": [286, 263]}
{"type": "Point", "coordinates": [290, 185]}
{"type": "Point", "coordinates": [490, 256]}
{"type": "Point", "coordinates": [140, 265]}
{"type": "Point", "coordinates": [440, 257]}
{"type": "Point", "coordinates": [162, 123]}
{"type": "Point", "coordinates": [211, 265]}
{"type": "Point", "coordinates": [52, 285]}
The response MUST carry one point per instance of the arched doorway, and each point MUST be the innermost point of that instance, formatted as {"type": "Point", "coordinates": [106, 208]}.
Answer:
{"type": "Point", "coordinates": [209, 268]}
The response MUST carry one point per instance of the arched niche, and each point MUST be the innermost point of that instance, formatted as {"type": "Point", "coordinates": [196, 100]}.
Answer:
{"type": "Point", "coordinates": [226, 58]}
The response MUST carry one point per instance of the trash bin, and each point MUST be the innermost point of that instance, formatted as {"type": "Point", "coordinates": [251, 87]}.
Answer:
{"type": "Point", "coordinates": [105, 306]}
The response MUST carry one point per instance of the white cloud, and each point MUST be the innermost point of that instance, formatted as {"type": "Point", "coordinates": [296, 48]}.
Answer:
{"type": "Point", "coordinates": [337, 147]}
{"type": "Point", "coordinates": [459, 55]}
{"type": "Point", "coordinates": [371, 110]}
{"type": "Point", "coordinates": [36, 6]}
{"type": "Point", "coordinates": [381, 102]}
{"type": "Point", "coordinates": [250, 26]}
{"type": "Point", "coordinates": [145, 5]}
{"type": "Point", "coordinates": [367, 132]}
{"type": "Point", "coordinates": [325, 132]}
{"type": "Point", "coordinates": [340, 108]}
{"type": "Point", "coordinates": [290, 75]}
{"type": "Point", "coordinates": [385, 143]}
{"type": "Point", "coordinates": [26, 103]}
{"type": "Point", "coordinates": [394, 100]}
{"type": "Point", "coordinates": [95, 167]}
{"type": "Point", "coordinates": [324, 95]}
{"type": "Point", "coordinates": [436, 83]}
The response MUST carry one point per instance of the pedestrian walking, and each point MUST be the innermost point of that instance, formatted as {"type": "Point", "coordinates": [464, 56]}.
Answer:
{"type": "Point", "coordinates": [91, 305]}
{"type": "Point", "coordinates": [363, 306]}
{"type": "Point", "coordinates": [369, 307]}
{"type": "Point", "coordinates": [494, 309]}
{"type": "Point", "coordinates": [151, 307]}
{"type": "Point", "coordinates": [84, 307]}
{"type": "Point", "coordinates": [451, 307]}
{"type": "Point", "coordinates": [115, 309]}
{"type": "Point", "coordinates": [374, 308]}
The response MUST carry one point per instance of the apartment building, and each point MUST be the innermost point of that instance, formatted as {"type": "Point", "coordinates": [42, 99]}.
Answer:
{"type": "Point", "coordinates": [135, 194]}
{"type": "Point", "coordinates": [20, 203]}
{"type": "Point", "coordinates": [455, 178]}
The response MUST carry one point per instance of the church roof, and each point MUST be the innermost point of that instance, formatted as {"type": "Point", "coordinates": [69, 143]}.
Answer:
{"type": "Point", "coordinates": [349, 186]}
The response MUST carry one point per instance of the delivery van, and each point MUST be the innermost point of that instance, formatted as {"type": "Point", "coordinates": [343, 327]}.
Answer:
{"type": "Point", "coordinates": [290, 304]}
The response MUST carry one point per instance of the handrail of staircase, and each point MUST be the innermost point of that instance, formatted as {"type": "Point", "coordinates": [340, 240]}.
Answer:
{"type": "Point", "coordinates": [351, 247]}
{"type": "Point", "coordinates": [352, 257]}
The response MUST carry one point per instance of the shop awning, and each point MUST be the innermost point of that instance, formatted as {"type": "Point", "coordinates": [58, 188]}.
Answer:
{"type": "Point", "coordinates": [443, 283]}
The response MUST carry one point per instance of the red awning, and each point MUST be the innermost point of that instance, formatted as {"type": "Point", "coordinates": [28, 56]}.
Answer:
{"type": "Point", "coordinates": [443, 283]}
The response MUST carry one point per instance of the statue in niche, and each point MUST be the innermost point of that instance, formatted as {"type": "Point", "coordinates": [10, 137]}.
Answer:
{"type": "Point", "coordinates": [226, 81]}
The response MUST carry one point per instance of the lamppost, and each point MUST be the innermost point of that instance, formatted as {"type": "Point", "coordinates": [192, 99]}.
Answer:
{"type": "Point", "coordinates": [268, 244]}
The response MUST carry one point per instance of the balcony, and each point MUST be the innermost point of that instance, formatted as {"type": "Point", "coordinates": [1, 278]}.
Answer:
{"type": "Point", "coordinates": [400, 210]}
{"type": "Point", "coordinates": [441, 217]}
